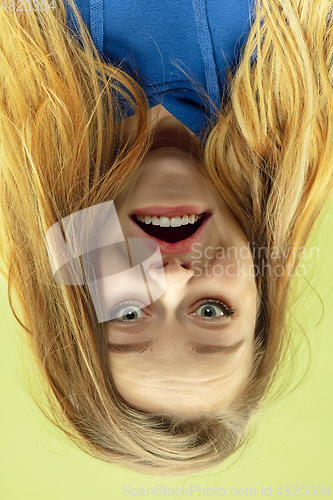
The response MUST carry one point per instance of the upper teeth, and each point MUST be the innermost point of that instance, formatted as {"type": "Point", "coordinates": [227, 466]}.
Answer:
{"type": "Point", "coordinates": [164, 221]}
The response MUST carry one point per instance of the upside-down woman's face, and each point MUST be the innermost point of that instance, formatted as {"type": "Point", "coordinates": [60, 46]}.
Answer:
{"type": "Point", "coordinates": [190, 351]}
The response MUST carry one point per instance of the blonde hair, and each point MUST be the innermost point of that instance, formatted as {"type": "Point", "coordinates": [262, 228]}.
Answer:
{"type": "Point", "coordinates": [63, 149]}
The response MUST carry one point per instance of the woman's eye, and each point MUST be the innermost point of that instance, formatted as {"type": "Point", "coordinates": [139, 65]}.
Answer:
{"type": "Point", "coordinates": [129, 313]}
{"type": "Point", "coordinates": [210, 309]}
{"type": "Point", "coordinates": [213, 309]}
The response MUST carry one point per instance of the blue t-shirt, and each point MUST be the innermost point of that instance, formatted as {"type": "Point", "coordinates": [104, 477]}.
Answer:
{"type": "Point", "coordinates": [154, 40]}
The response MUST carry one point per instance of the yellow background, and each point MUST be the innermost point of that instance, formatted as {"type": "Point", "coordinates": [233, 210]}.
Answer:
{"type": "Point", "coordinates": [293, 445]}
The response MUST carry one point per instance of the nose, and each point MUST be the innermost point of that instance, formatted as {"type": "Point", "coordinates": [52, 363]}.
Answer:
{"type": "Point", "coordinates": [174, 269]}
{"type": "Point", "coordinates": [177, 272]}
{"type": "Point", "coordinates": [176, 262]}
{"type": "Point", "coordinates": [176, 275]}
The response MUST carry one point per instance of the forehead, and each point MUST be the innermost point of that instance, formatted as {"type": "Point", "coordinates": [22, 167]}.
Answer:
{"type": "Point", "coordinates": [186, 386]}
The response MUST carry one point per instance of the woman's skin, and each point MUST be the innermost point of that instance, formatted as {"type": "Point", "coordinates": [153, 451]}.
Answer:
{"type": "Point", "coordinates": [192, 358]}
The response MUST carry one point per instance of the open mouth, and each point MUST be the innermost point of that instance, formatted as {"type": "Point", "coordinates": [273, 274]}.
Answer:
{"type": "Point", "coordinates": [171, 234]}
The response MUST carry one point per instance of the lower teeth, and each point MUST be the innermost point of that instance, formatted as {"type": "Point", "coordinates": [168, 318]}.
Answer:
{"type": "Point", "coordinates": [170, 234]}
{"type": "Point", "coordinates": [180, 221]}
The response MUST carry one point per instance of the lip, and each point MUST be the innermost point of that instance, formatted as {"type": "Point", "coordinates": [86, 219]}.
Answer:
{"type": "Point", "coordinates": [168, 211]}
{"type": "Point", "coordinates": [180, 247]}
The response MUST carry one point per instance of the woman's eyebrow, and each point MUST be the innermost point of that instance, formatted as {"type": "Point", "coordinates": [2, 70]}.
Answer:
{"type": "Point", "coordinates": [195, 348]}
{"type": "Point", "coordinates": [211, 348]}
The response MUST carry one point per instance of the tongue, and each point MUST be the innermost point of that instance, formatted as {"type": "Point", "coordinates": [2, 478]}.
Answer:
{"type": "Point", "coordinates": [170, 234]}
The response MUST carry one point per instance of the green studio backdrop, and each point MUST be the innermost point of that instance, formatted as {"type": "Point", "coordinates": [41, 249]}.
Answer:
{"type": "Point", "coordinates": [291, 454]}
